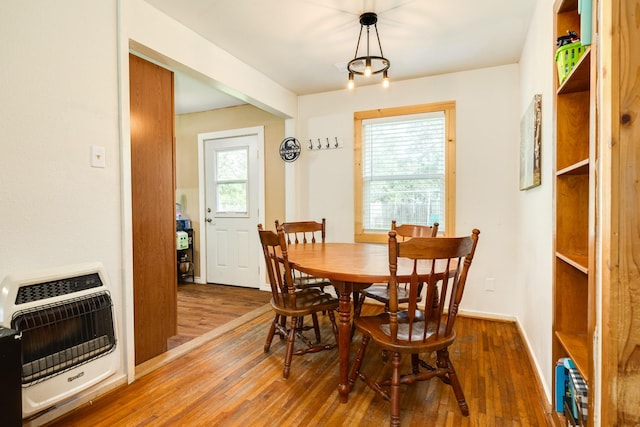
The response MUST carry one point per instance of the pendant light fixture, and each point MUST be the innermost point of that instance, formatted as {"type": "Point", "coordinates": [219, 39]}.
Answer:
{"type": "Point", "coordinates": [368, 64]}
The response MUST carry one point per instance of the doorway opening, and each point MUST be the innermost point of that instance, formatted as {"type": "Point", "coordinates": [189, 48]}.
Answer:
{"type": "Point", "coordinates": [231, 183]}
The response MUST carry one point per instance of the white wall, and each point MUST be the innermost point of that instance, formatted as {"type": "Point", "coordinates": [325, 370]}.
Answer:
{"type": "Point", "coordinates": [58, 82]}
{"type": "Point", "coordinates": [59, 97]}
{"type": "Point", "coordinates": [64, 85]}
{"type": "Point", "coordinates": [535, 206]}
{"type": "Point", "coordinates": [487, 150]}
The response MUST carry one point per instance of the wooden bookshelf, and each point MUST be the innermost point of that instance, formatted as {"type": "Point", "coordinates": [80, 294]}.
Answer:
{"type": "Point", "coordinates": [574, 192]}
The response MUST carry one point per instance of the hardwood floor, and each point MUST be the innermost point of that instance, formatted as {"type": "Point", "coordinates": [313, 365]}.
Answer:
{"type": "Point", "coordinates": [230, 381]}
{"type": "Point", "coordinates": [203, 307]}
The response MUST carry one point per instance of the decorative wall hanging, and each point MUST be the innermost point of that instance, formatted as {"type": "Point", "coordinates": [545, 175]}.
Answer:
{"type": "Point", "coordinates": [531, 144]}
{"type": "Point", "coordinates": [290, 149]}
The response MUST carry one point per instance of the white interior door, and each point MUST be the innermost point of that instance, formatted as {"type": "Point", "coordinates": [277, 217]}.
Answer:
{"type": "Point", "coordinates": [234, 188]}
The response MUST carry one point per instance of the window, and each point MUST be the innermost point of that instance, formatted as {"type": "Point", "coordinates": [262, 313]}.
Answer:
{"type": "Point", "coordinates": [231, 181]}
{"type": "Point", "coordinates": [405, 161]}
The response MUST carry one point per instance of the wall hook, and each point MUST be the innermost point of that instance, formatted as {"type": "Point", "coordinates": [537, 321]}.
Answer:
{"type": "Point", "coordinates": [336, 142]}
{"type": "Point", "coordinates": [310, 144]}
{"type": "Point", "coordinates": [328, 146]}
{"type": "Point", "coordinates": [319, 144]}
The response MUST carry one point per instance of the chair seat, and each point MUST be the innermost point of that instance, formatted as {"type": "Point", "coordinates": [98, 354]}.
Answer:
{"type": "Point", "coordinates": [381, 293]}
{"type": "Point", "coordinates": [377, 327]}
{"type": "Point", "coordinates": [308, 301]}
{"type": "Point", "coordinates": [304, 282]}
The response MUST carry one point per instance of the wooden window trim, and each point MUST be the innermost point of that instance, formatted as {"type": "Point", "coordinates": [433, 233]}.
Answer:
{"type": "Point", "coordinates": [449, 109]}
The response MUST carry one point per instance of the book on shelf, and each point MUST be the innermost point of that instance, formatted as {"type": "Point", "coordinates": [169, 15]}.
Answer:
{"type": "Point", "coordinates": [571, 392]}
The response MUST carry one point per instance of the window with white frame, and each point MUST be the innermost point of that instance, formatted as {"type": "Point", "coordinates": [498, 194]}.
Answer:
{"type": "Point", "coordinates": [404, 164]}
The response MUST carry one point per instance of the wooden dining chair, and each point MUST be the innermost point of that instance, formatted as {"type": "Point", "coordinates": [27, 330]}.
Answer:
{"type": "Point", "coordinates": [290, 304]}
{"type": "Point", "coordinates": [435, 332]}
{"type": "Point", "coordinates": [306, 232]}
{"type": "Point", "coordinates": [381, 292]}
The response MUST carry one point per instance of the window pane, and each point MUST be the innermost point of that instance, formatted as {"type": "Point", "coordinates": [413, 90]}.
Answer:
{"type": "Point", "coordinates": [232, 197]}
{"type": "Point", "coordinates": [232, 181]}
{"type": "Point", "coordinates": [407, 201]}
{"type": "Point", "coordinates": [403, 171]}
{"type": "Point", "coordinates": [231, 165]}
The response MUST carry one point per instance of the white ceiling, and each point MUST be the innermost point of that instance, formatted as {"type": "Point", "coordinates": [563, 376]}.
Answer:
{"type": "Point", "coordinates": [304, 45]}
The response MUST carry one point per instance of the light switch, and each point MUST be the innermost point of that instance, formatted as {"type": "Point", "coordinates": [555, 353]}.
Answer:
{"type": "Point", "coordinates": [97, 156]}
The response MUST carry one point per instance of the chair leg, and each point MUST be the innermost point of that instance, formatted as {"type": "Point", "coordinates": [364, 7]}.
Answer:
{"type": "Point", "coordinates": [283, 325]}
{"type": "Point", "coordinates": [272, 332]}
{"type": "Point", "coordinates": [291, 339]}
{"type": "Point", "coordinates": [358, 300]}
{"type": "Point", "coordinates": [415, 363]}
{"type": "Point", "coordinates": [445, 362]}
{"type": "Point", "coordinates": [355, 369]}
{"type": "Point", "coordinates": [334, 325]}
{"type": "Point", "coordinates": [395, 390]}
{"type": "Point", "coordinates": [316, 327]}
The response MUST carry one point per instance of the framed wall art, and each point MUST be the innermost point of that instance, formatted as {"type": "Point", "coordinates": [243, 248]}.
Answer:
{"type": "Point", "coordinates": [531, 144]}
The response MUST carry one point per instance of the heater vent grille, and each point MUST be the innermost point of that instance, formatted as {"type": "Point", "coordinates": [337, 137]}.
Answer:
{"type": "Point", "coordinates": [56, 288]}
{"type": "Point", "coordinates": [58, 337]}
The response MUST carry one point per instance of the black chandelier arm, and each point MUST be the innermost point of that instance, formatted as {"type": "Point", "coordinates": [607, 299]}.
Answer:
{"type": "Point", "coordinates": [378, 37]}
{"type": "Point", "coordinates": [361, 59]}
{"type": "Point", "coordinates": [358, 44]}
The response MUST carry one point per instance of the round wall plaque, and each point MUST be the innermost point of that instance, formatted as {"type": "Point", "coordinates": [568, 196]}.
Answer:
{"type": "Point", "coordinates": [290, 149]}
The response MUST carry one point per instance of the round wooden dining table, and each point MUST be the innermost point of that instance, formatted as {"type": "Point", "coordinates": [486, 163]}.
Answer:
{"type": "Point", "coordinates": [350, 267]}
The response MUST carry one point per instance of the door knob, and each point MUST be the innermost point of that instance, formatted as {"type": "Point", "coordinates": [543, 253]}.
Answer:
{"type": "Point", "coordinates": [209, 220]}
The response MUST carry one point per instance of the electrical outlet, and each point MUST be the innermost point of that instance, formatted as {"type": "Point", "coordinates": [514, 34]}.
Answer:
{"type": "Point", "coordinates": [490, 284]}
{"type": "Point", "coordinates": [97, 156]}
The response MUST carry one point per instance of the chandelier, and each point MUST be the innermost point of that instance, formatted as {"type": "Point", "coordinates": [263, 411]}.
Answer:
{"type": "Point", "coordinates": [368, 65]}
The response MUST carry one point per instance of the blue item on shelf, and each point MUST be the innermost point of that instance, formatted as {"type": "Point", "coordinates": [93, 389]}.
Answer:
{"type": "Point", "coordinates": [561, 383]}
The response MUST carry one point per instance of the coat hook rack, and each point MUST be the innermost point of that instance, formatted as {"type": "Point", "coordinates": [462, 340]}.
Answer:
{"type": "Point", "coordinates": [327, 145]}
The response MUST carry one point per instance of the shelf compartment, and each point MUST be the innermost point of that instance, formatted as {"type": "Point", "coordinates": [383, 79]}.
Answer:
{"type": "Point", "coordinates": [571, 299]}
{"type": "Point", "coordinates": [572, 222]}
{"type": "Point", "coordinates": [572, 129]}
{"type": "Point", "coordinates": [578, 79]}
{"type": "Point", "coordinates": [577, 349]}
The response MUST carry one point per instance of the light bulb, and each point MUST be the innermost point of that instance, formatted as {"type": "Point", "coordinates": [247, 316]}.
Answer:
{"type": "Point", "coordinates": [351, 83]}
{"type": "Point", "coordinates": [385, 79]}
{"type": "Point", "coordinates": [367, 67]}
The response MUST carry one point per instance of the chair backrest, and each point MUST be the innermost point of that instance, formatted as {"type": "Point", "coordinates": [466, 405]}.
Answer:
{"type": "Point", "coordinates": [274, 248]}
{"type": "Point", "coordinates": [448, 259]}
{"type": "Point", "coordinates": [407, 231]}
{"type": "Point", "coordinates": [303, 231]}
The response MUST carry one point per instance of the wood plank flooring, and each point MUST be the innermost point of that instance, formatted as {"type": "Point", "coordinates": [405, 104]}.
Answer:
{"type": "Point", "coordinates": [203, 307]}
{"type": "Point", "coordinates": [230, 381]}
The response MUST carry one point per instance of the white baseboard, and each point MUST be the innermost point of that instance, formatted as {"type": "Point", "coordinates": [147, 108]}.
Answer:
{"type": "Point", "coordinates": [536, 364]}
{"type": "Point", "coordinates": [488, 316]}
